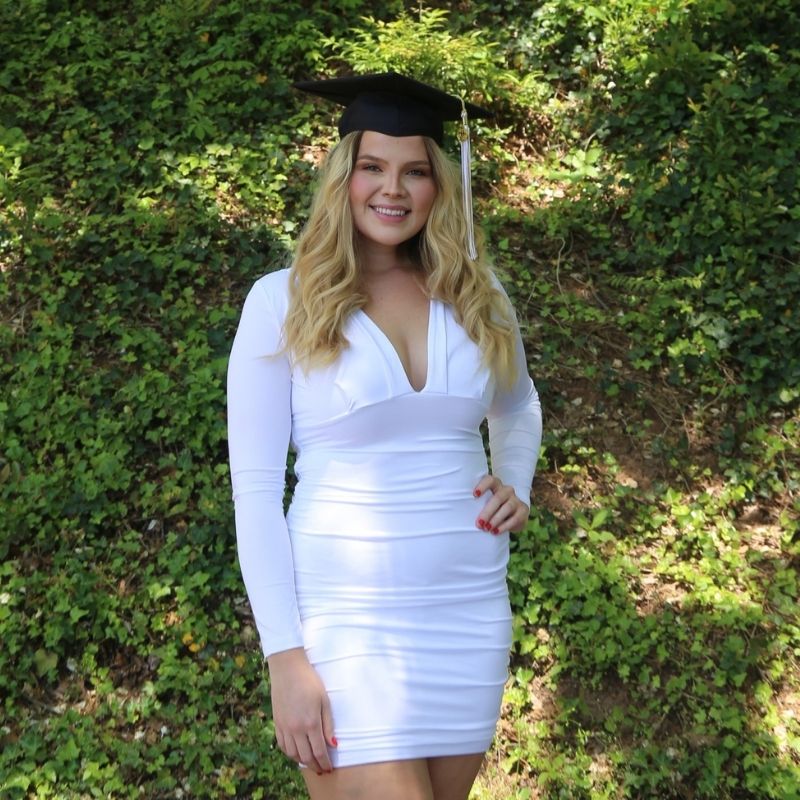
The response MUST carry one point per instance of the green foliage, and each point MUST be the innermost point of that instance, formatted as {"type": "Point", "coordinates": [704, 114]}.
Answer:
{"type": "Point", "coordinates": [467, 63]}
{"type": "Point", "coordinates": [724, 206]}
{"type": "Point", "coordinates": [676, 693]}
{"type": "Point", "coordinates": [691, 110]}
{"type": "Point", "coordinates": [654, 621]}
{"type": "Point", "coordinates": [426, 48]}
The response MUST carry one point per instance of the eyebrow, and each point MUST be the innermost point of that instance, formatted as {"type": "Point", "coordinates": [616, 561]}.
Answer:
{"type": "Point", "coordinates": [367, 157]}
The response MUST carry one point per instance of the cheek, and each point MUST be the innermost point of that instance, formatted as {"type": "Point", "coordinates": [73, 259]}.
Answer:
{"type": "Point", "coordinates": [427, 197]}
{"type": "Point", "coordinates": [358, 188]}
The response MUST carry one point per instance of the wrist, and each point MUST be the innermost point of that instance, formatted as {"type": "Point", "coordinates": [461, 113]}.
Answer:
{"type": "Point", "coordinates": [287, 658]}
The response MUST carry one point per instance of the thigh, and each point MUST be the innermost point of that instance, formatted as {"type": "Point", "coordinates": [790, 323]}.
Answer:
{"type": "Point", "coordinates": [389, 780]}
{"type": "Point", "coordinates": [452, 776]}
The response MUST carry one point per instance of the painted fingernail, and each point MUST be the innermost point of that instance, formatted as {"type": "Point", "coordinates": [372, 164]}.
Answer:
{"type": "Point", "coordinates": [477, 493]}
{"type": "Point", "coordinates": [334, 742]}
{"type": "Point", "coordinates": [495, 531]}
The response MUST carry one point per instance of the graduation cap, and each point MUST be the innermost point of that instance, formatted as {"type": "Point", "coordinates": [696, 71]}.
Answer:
{"type": "Point", "coordinates": [396, 105]}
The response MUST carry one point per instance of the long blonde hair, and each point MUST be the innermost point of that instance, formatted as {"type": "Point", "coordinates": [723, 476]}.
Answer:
{"type": "Point", "coordinates": [326, 286]}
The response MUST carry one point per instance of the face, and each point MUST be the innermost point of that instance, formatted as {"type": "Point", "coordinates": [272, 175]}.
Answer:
{"type": "Point", "coordinates": [391, 189]}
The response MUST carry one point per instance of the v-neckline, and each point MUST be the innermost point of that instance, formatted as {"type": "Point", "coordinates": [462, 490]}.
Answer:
{"type": "Point", "coordinates": [395, 356]}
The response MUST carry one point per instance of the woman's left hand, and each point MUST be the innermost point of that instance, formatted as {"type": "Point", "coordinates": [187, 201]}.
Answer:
{"type": "Point", "coordinates": [504, 511]}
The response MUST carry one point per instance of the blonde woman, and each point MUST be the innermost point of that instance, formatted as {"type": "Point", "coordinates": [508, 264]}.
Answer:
{"type": "Point", "coordinates": [380, 598]}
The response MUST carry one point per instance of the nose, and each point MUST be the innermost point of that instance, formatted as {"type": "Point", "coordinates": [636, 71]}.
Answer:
{"type": "Point", "coordinates": [393, 186]}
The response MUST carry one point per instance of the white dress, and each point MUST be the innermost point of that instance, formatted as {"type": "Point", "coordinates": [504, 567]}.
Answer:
{"type": "Point", "coordinates": [379, 570]}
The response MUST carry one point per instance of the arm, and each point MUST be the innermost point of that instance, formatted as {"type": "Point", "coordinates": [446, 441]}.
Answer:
{"type": "Point", "coordinates": [259, 427]}
{"type": "Point", "coordinates": [515, 434]}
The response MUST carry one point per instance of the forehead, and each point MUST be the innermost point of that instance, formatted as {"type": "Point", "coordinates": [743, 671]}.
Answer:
{"type": "Point", "coordinates": [389, 148]}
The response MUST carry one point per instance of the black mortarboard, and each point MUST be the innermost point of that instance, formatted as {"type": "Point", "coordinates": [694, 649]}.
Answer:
{"type": "Point", "coordinates": [395, 105]}
{"type": "Point", "coordinates": [391, 103]}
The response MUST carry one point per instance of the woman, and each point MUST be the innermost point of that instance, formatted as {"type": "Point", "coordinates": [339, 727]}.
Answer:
{"type": "Point", "coordinates": [380, 598]}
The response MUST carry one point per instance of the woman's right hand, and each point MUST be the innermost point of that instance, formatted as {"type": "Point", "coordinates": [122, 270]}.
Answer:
{"type": "Point", "coordinates": [301, 710]}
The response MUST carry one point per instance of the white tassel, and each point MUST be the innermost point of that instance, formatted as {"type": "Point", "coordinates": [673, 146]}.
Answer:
{"type": "Point", "coordinates": [466, 182]}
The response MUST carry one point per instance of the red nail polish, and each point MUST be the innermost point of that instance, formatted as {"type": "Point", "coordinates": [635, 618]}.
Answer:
{"type": "Point", "coordinates": [334, 742]}
{"type": "Point", "coordinates": [477, 493]}
{"type": "Point", "coordinates": [495, 531]}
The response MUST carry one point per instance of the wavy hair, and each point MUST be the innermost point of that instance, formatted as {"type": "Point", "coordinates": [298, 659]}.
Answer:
{"type": "Point", "coordinates": [326, 287]}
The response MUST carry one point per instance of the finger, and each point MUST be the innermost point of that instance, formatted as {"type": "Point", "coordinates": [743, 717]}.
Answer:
{"type": "Point", "coordinates": [320, 750]}
{"type": "Point", "coordinates": [327, 723]}
{"type": "Point", "coordinates": [492, 513]}
{"type": "Point", "coordinates": [485, 486]}
{"type": "Point", "coordinates": [487, 483]}
{"type": "Point", "coordinates": [306, 754]}
{"type": "Point", "coordinates": [509, 524]}
{"type": "Point", "coordinates": [516, 520]}
{"type": "Point", "coordinates": [510, 515]}
{"type": "Point", "coordinates": [497, 522]}
{"type": "Point", "coordinates": [521, 517]}
{"type": "Point", "coordinates": [319, 736]}
{"type": "Point", "coordinates": [287, 747]}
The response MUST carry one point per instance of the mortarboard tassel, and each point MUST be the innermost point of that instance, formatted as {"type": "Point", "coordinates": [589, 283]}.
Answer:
{"type": "Point", "coordinates": [466, 181]}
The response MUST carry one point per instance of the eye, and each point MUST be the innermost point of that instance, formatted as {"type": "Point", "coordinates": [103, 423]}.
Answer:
{"type": "Point", "coordinates": [369, 167]}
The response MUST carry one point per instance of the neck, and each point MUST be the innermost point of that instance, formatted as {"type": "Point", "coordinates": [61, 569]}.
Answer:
{"type": "Point", "coordinates": [378, 259]}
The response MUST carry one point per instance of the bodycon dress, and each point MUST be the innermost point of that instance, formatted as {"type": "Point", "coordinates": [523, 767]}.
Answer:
{"type": "Point", "coordinates": [378, 569]}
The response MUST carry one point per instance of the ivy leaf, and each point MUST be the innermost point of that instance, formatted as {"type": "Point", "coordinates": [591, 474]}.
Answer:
{"type": "Point", "coordinates": [68, 751]}
{"type": "Point", "coordinates": [45, 662]}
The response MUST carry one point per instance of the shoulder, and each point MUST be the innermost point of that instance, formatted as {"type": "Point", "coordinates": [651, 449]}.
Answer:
{"type": "Point", "coordinates": [267, 302]}
{"type": "Point", "coordinates": [274, 286]}
{"type": "Point", "coordinates": [272, 290]}
{"type": "Point", "coordinates": [260, 325]}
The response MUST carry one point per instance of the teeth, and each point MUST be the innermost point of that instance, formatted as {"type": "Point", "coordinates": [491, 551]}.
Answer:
{"type": "Point", "coordinates": [391, 212]}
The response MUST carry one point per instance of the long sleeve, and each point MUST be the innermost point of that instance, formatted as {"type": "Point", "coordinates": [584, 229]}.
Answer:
{"type": "Point", "coordinates": [259, 428]}
{"type": "Point", "coordinates": [515, 428]}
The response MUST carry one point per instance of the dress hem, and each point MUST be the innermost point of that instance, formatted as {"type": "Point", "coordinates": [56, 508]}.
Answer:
{"type": "Point", "coordinates": [378, 755]}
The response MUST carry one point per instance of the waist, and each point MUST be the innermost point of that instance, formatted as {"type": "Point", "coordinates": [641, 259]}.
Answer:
{"type": "Point", "coordinates": [346, 571]}
{"type": "Point", "coordinates": [372, 488]}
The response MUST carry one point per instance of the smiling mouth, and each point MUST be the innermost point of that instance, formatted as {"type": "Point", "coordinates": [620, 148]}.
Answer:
{"type": "Point", "coordinates": [391, 212]}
